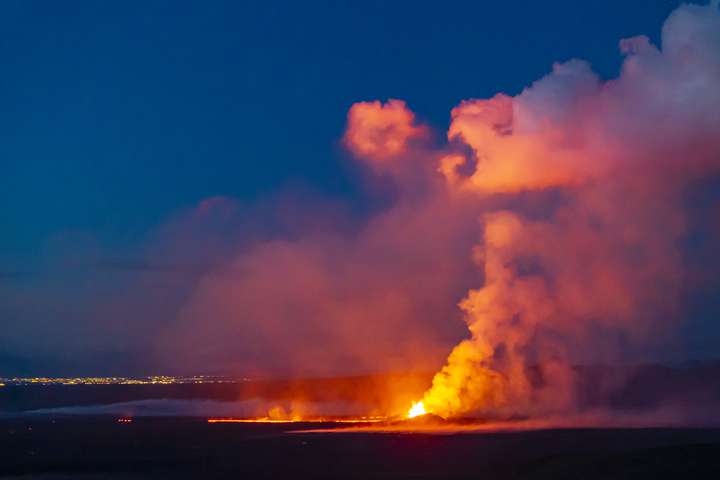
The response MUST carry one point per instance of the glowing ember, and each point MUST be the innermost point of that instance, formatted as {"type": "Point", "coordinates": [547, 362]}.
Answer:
{"type": "Point", "coordinates": [416, 410]}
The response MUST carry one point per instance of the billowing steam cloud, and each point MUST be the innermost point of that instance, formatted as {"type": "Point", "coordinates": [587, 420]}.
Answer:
{"type": "Point", "coordinates": [601, 273]}
{"type": "Point", "coordinates": [377, 297]}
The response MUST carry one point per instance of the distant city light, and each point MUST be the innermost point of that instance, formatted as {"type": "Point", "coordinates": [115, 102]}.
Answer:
{"type": "Point", "coordinates": [151, 380]}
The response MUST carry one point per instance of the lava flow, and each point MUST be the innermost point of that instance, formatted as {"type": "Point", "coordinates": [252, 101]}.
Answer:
{"type": "Point", "coordinates": [369, 419]}
{"type": "Point", "coordinates": [417, 409]}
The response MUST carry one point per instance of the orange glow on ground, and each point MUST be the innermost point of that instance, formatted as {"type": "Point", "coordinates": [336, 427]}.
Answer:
{"type": "Point", "coordinates": [300, 420]}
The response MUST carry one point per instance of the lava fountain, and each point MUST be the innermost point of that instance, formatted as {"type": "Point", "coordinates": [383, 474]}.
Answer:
{"type": "Point", "coordinates": [417, 409]}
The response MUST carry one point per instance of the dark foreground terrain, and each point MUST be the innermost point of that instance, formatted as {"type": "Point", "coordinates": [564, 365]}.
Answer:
{"type": "Point", "coordinates": [171, 447]}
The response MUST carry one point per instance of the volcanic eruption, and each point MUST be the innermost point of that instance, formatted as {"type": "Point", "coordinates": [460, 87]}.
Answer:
{"type": "Point", "coordinates": [596, 273]}
{"type": "Point", "coordinates": [558, 219]}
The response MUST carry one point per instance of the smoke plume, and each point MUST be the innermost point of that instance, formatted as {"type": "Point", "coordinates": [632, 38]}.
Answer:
{"type": "Point", "coordinates": [599, 276]}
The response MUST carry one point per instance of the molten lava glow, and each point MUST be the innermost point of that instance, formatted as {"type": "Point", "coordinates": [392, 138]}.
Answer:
{"type": "Point", "coordinates": [278, 414]}
{"type": "Point", "coordinates": [355, 420]}
{"type": "Point", "coordinates": [416, 410]}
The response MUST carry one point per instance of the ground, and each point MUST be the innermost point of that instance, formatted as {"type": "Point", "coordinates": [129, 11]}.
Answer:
{"type": "Point", "coordinates": [101, 447]}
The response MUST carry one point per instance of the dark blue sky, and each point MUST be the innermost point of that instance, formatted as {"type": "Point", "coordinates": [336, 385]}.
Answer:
{"type": "Point", "coordinates": [116, 114]}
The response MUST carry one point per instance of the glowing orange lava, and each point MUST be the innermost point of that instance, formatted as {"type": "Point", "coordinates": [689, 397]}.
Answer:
{"type": "Point", "coordinates": [300, 420]}
{"type": "Point", "coordinates": [417, 409]}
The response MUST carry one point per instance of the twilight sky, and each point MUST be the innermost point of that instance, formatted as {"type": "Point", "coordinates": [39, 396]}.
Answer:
{"type": "Point", "coordinates": [168, 168]}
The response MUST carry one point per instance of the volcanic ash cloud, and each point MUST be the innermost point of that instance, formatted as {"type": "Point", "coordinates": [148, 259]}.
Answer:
{"type": "Point", "coordinates": [597, 276]}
